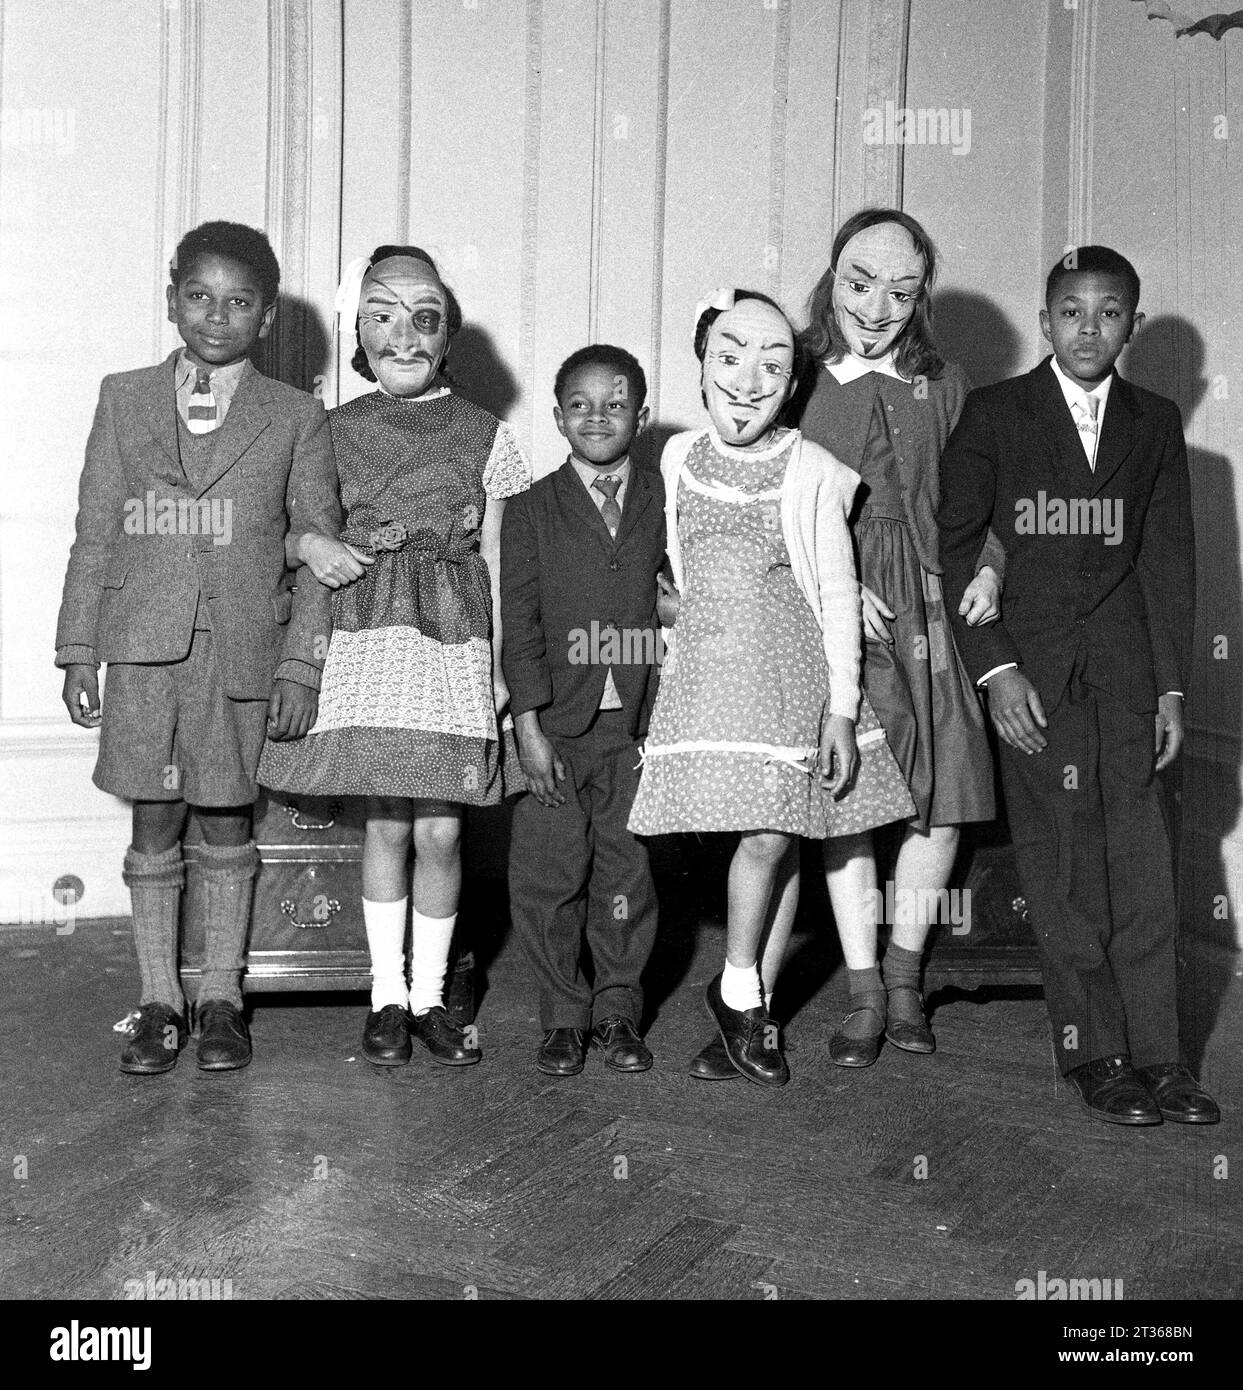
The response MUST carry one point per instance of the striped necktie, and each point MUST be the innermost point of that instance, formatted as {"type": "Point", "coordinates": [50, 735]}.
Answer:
{"type": "Point", "coordinates": [201, 415]}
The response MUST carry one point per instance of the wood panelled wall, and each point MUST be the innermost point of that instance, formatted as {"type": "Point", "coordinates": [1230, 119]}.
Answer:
{"type": "Point", "coordinates": [586, 170]}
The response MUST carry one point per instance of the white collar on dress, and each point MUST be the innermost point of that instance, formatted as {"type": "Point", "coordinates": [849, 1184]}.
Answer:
{"type": "Point", "coordinates": [852, 367]}
{"type": "Point", "coordinates": [430, 396]}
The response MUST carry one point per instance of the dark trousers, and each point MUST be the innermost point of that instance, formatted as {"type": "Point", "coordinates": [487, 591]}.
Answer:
{"type": "Point", "coordinates": [1094, 861]}
{"type": "Point", "coordinates": [576, 875]}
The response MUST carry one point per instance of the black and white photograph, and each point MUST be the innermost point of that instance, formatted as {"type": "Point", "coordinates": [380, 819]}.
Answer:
{"type": "Point", "coordinates": [620, 644]}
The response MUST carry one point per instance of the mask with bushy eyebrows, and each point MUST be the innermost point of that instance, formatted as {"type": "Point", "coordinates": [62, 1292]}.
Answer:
{"type": "Point", "coordinates": [748, 370]}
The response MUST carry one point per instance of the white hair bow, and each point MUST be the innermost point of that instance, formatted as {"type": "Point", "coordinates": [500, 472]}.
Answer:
{"type": "Point", "coordinates": [721, 298]}
{"type": "Point", "coordinates": [348, 293]}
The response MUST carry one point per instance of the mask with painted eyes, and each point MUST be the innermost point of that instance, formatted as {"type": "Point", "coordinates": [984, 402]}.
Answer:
{"type": "Point", "coordinates": [879, 280]}
{"type": "Point", "coordinates": [748, 371]}
{"type": "Point", "coordinates": [403, 324]}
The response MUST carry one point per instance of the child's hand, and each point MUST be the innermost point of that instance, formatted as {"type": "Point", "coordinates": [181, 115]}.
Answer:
{"type": "Point", "coordinates": [541, 766]}
{"type": "Point", "coordinates": [81, 679]}
{"type": "Point", "coordinates": [668, 601]}
{"type": "Point", "coordinates": [839, 755]}
{"type": "Point", "coordinates": [333, 563]}
{"type": "Point", "coordinates": [875, 612]}
{"type": "Point", "coordinates": [1018, 715]}
{"type": "Point", "coordinates": [291, 710]}
{"type": "Point", "coordinates": [500, 692]}
{"type": "Point", "coordinates": [1169, 730]}
{"type": "Point", "coordinates": [981, 603]}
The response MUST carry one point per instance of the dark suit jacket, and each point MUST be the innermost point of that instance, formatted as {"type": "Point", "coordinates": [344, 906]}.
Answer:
{"type": "Point", "coordinates": [1127, 607]}
{"type": "Point", "coordinates": [561, 572]}
{"type": "Point", "coordinates": [131, 596]}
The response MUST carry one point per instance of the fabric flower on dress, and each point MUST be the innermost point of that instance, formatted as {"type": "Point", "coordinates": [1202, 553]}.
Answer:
{"type": "Point", "coordinates": [391, 536]}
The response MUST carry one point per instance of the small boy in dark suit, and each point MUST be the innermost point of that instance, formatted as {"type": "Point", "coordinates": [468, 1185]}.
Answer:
{"type": "Point", "coordinates": [580, 555]}
{"type": "Point", "coordinates": [1083, 477]}
{"type": "Point", "coordinates": [195, 472]}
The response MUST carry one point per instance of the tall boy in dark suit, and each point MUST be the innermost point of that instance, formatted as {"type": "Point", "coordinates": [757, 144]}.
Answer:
{"type": "Point", "coordinates": [1083, 477]}
{"type": "Point", "coordinates": [196, 471]}
{"type": "Point", "coordinates": [580, 554]}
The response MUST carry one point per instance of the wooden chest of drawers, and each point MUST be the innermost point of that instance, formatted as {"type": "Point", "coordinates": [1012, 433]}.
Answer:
{"type": "Point", "coordinates": [306, 925]}
{"type": "Point", "coordinates": [307, 921]}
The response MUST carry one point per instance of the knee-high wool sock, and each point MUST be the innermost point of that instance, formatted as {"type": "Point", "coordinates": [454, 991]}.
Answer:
{"type": "Point", "coordinates": [155, 882]}
{"type": "Point", "coordinates": [228, 886]}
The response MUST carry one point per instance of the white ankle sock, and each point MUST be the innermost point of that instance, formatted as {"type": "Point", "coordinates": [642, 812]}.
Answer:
{"type": "Point", "coordinates": [386, 940]}
{"type": "Point", "coordinates": [430, 939]}
{"type": "Point", "coordinates": [740, 987]}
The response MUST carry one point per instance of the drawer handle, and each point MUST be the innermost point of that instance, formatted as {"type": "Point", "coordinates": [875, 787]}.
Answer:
{"type": "Point", "coordinates": [1019, 905]}
{"type": "Point", "coordinates": [324, 911]}
{"type": "Point", "coordinates": [334, 810]}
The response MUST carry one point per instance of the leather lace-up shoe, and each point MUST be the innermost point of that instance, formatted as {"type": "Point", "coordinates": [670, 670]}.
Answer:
{"type": "Point", "coordinates": [713, 1064]}
{"type": "Point", "coordinates": [386, 1036]}
{"type": "Point", "coordinates": [858, 1052]}
{"type": "Point", "coordinates": [910, 1035]}
{"type": "Point", "coordinates": [1179, 1096]}
{"type": "Point", "coordinates": [443, 1038]}
{"type": "Point", "coordinates": [224, 1043]}
{"type": "Point", "coordinates": [623, 1048]}
{"type": "Point", "coordinates": [156, 1036]}
{"type": "Point", "coordinates": [1112, 1091]}
{"type": "Point", "coordinates": [561, 1053]}
{"type": "Point", "coordinates": [750, 1038]}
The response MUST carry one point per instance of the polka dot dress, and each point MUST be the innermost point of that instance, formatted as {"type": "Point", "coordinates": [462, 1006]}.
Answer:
{"type": "Point", "coordinates": [406, 706]}
{"type": "Point", "coordinates": [735, 734]}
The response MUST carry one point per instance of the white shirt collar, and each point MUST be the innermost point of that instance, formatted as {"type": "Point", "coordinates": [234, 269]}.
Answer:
{"type": "Point", "coordinates": [1076, 395]}
{"type": "Point", "coordinates": [621, 469]}
{"type": "Point", "coordinates": [852, 367]}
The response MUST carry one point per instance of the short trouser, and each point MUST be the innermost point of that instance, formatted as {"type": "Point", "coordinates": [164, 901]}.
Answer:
{"type": "Point", "coordinates": [170, 733]}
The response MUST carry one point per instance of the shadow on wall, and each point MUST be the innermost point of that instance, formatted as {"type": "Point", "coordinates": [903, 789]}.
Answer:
{"type": "Point", "coordinates": [1168, 356]}
{"type": "Point", "coordinates": [479, 372]}
{"type": "Point", "coordinates": [972, 331]}
{"type": "Point", "coordinates": [298, 349]}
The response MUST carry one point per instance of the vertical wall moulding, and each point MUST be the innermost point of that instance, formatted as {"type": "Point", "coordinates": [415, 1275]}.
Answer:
{"type": "Point", "coordinates": [1082, 96]}
{"type": "Point", "coordinates": [597, 184]}
{"type": "Point", "coordinates": [889, 25]}
{"type": "Point", "coordinates": [530, 209]}
{"type": "Point", "coordinates": [775, 245]}
{"type": "Point", "coordinates": [659, 178]}
{"type": "Point", "coordinates": [287, 205]}
{"type": "Point", "coordinates": [180, 121]}
{"type": "Point", "coordinates": [405, 135]}
{"type": "Point", "coordinates": [839, 119]}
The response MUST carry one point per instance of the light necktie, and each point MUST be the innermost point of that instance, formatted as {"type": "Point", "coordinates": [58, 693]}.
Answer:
{"type": "Point", "coordinates": [201, 415]}
{"type": "Point", "coordinates": [609, 508]}
{"type": "Point", "coordinates": [1089, 427]}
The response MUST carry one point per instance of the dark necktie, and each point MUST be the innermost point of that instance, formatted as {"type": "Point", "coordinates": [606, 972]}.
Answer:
{"type": "Point", "coordinates": [609, 509]}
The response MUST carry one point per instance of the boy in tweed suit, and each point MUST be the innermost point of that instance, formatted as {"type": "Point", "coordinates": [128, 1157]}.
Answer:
{"type": "Point", "coordinates": [195, 472]}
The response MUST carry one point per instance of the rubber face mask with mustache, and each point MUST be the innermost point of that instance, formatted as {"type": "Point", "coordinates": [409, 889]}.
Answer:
{"type": "Point", "coordinates": [747, 371]}
{"type": "Point", "coordinates": [403, 324]}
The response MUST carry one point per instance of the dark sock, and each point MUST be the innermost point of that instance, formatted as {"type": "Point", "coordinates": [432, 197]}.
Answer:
{"type": "Point", "coordinates": [866, 993]}
{"type": "Point", "coordinates": [228, 873]}
{"type": "Point", "coordinates": [155, 882]}
{"type": "Point", "coordinates": [902, 974]}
